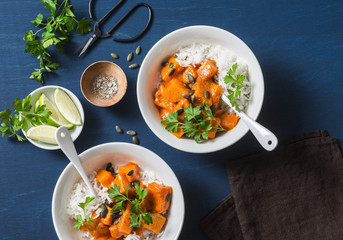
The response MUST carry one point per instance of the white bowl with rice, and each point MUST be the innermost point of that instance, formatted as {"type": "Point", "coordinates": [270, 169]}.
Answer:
{"type": "Point", "coordinates": [70, 190]}
{"type": "Point", "coordinates": [192, 45]}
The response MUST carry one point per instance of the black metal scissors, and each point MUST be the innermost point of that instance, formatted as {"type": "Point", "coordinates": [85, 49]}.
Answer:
{"type": "Point", "coordinates": [97, 33]}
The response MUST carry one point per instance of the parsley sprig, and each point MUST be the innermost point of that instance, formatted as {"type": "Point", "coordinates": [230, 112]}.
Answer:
{"type": "Point", "coordinates": [56, 30]}
{"type": "Point", "coordinates": [87, 219]}
{"type": "Point", "coordinates": [138, 214]}
{"type": "Point", "coordinates": [197, 123]}
{"type": "Point", "coordinates": [21, 116]}
{"type": "Point", "coordinates": [236, 83]}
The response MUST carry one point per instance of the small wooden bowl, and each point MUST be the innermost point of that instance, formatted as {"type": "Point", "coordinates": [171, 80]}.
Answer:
{"type": "Point", "coordinates": [110, 69]}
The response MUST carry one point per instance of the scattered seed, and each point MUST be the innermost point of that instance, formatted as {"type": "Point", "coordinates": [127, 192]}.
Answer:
{"type": "Point", "coordinates": [213, 109]}
{"type": "Point", "coordinates": [119, 129]}
{"type": "Point", "coordinates": [203, 105]}
{"type": "Point", "coordinates": [130, 172]}
{"type": "Point", "coordinates": [104, 211]}
{"type": "Point", "coordinates": [193, 99]}
{"type": "Point", "coordinates": [138, 50]}
{"type": "Point", "coordinates": [190, 78]}
{"type": "Point", "coordinates": [191, 92]}
{"type": "Point", "coordinates": [171, 71]}
{"type": "Point", "coordinates": [131, 133]}
{"type": "Point", "coordinates": [115, 213]}
{"type": "Point", "coordinates": [207, 94]}
{"type": "Point", "coordinates": [185, 96]}
{"type": "Point", "coordinates": [135, 140]}
{"type": "Point", "coordinates": [116, 221]}
{"type": "Point", "coordinates": [168, 197]}
{"type": "Point", "coordinates": [114, 55]}
{"type": "Point", "coordinates": [171, 64]}
{"type": "Point", "coordinates": [109, 168]}
{"type": "Point", "coordinates": [179, 111]}
{"type": "Point", "coordinates": [222, 106]}
{"type": "Point", "coordinates": [129, 57]}
{"type": "Point", "coordinates": [163, 64]}
{"type": "Point", "coordinates": [186, 86]}
{"type": "Point", "coordinates": [108, 165]}
{"type": "Point", "coordinates": [134, 66]}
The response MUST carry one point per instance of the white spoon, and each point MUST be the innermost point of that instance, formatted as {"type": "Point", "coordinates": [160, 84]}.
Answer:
{"type": "Point", "coordinates": [265, 137]}
{"type": "Point", "coordinates": [64, 140]}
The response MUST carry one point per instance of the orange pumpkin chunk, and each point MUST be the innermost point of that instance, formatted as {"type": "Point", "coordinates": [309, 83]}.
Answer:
{"type": "Point", "coordinates": [157, 223]}
{"type": "Point", "coordinates": [158, 198]}
{"type": "Point", "coordinates": [104, 177]}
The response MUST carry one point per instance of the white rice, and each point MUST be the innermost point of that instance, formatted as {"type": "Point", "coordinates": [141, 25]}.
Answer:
{"type": "Point", "coordinates": [80, 191]}
{"type": "Point", "coordinates": [196, 53]}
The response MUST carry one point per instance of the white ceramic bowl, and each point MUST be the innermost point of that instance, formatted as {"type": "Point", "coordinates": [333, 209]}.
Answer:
{"type": "Point", "coordinates": [123, 153]}
{"type": "Point", "coordinates": [49, 92]}
{"type": "Point", "coordinates": [149, 75]}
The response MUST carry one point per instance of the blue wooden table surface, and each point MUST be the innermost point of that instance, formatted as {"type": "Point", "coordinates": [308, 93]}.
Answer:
{"type": "Point", "coordinates": [299, 45]}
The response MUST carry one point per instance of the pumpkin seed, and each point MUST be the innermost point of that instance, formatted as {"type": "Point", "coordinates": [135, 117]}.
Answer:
{"type": "Point", "coordinates": [171, 71]}
{"type": "Point", "coordinates": [168, 197]}
{"type": "Point", "coordinates": [134, 66]}
{"type": "Point", "coordinates": [190, 78]}
{"type": "Point", "coordinates": [213, 109]}
{"type": "Point", "coordinates": [114, 55]}
{"type": "Point", "coordinates": [131, 133]}
{"type": "Point", "coordinates": [116, 221]}
{"type": "Point", "coordinates": [179, 111]}
{"type": "Point", "coordinates": [207, 94]}
{"type": "Point", "coordinates": [120, 213]}
{"type": "Point", "coordinates": [129, 57]}
{"type": "Point", "coordinates": [222, 106]}
{"type": "Point", "coordinates": [186, 86]}
{"type": "Point", "coordinates": [130, 172]}
{"type": "Point", "coordinates": [185, 96]}
{"type": "Point", "coordinates": [138, 50]}
{"type": "Point", "coordinates": [193, 99]}
{"type": "Point", "coordinates": [191, 92]}
{"type": "Point", "coordinates": [115, 213]}
{"type": "Point", "coordinates": [119, 129]}
{"type": "Point", "coordinates": [135, 140]}
{"type": "Point", "coordinates": [171, 64]}
{"type": "Point", "coordinates": [163, 64]}
{"type": "Point", "coordinates": [104, 211]}
{"type": "Point", "coordinates": [109, 168]}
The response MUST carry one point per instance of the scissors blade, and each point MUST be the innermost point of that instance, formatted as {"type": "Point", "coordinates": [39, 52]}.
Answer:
{"type": "Point", "coordinates": [87, 44]}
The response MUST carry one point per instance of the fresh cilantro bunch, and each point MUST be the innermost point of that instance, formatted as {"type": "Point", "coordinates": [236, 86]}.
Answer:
{"type": "Point", "coordinates": [197, 123]}
{"type": "Point", "coordinates": [87, 220]}
{"type": "Point", "coordinates": [55, 30]}
{"type": "Point", "coordinates": [236, 83]}
{"type": "Point", "coordinates": [13, 121]}
{"type": "Point", "coordinates": [138, 214]}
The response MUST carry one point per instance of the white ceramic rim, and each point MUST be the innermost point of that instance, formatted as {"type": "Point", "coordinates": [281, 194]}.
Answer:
{"type": "Point", "coordinates": [240, 130]}
{"type": "Point", "coordinates": [74, 132]}
{"type": "Point", "coordinates": [152, 159]}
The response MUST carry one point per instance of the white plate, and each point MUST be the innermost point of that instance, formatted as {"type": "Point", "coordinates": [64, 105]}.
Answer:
{"type": "Point", "coordinates": [97, 157]}
{"type": "Point", "coordinates": [49, 92]}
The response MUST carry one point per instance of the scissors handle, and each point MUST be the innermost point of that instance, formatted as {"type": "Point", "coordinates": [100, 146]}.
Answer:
{"type": "Point", "coordinates": [126, 16]}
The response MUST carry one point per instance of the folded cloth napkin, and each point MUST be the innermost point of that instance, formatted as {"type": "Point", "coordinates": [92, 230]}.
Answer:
{"type": "Point", "coordinates": [292, 193]}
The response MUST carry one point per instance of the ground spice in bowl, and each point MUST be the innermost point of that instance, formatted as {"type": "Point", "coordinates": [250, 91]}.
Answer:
{"type": "Point", "coordinates": [103, 83]}
{"type": "Point", "coordinates": [104, 86]}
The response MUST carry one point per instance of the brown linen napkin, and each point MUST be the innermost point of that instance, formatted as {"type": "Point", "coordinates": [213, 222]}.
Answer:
{"type": "Point", "coordinates": [294, 192]}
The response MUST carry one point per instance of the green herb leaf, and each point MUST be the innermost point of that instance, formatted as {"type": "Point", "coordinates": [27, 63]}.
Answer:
{"type": "Point", "coordinates": [55, 31]}
{"type": "Point", "coordinates": [87, 201]}
{"type": "Point", "coordinates": [196, 123]}
{"type": "Point", "coordinates": [87, 220]}
{"type": "Point", "coordinates": [236, 82]}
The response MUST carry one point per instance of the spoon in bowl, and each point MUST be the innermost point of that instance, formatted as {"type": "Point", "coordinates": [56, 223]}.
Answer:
{"type": "Point", "coordinates": [265, 137]}
{"type": "Point", "coordinates": [64, 140]}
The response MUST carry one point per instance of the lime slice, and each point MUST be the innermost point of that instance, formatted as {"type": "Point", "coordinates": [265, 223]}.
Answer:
{"type": "Point", "coordinates": [55, 119]}
{"type": "Point", "coordinates": [43, 133]}
{"type": "Point", "coordinates": [67, 107]}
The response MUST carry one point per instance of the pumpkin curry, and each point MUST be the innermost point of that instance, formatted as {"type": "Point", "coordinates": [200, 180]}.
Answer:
{"type": "Point", "coordinates": [131, 200]}
{"type": "Point", "coordinates": [185, 87]}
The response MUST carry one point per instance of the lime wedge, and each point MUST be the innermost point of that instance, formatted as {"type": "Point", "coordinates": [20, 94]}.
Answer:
{"type": "Point", "coordinates": [55, 119]}
{"type": "Point", "coordinates": [42, 133]}
{"type": "Point", "coordinates": [67, 107]}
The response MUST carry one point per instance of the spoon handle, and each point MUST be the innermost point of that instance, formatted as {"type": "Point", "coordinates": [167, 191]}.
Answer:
{"type": "Point", "coordinates": [63, 139]}
{"type": "Point", "coordinates": [265, 137]}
